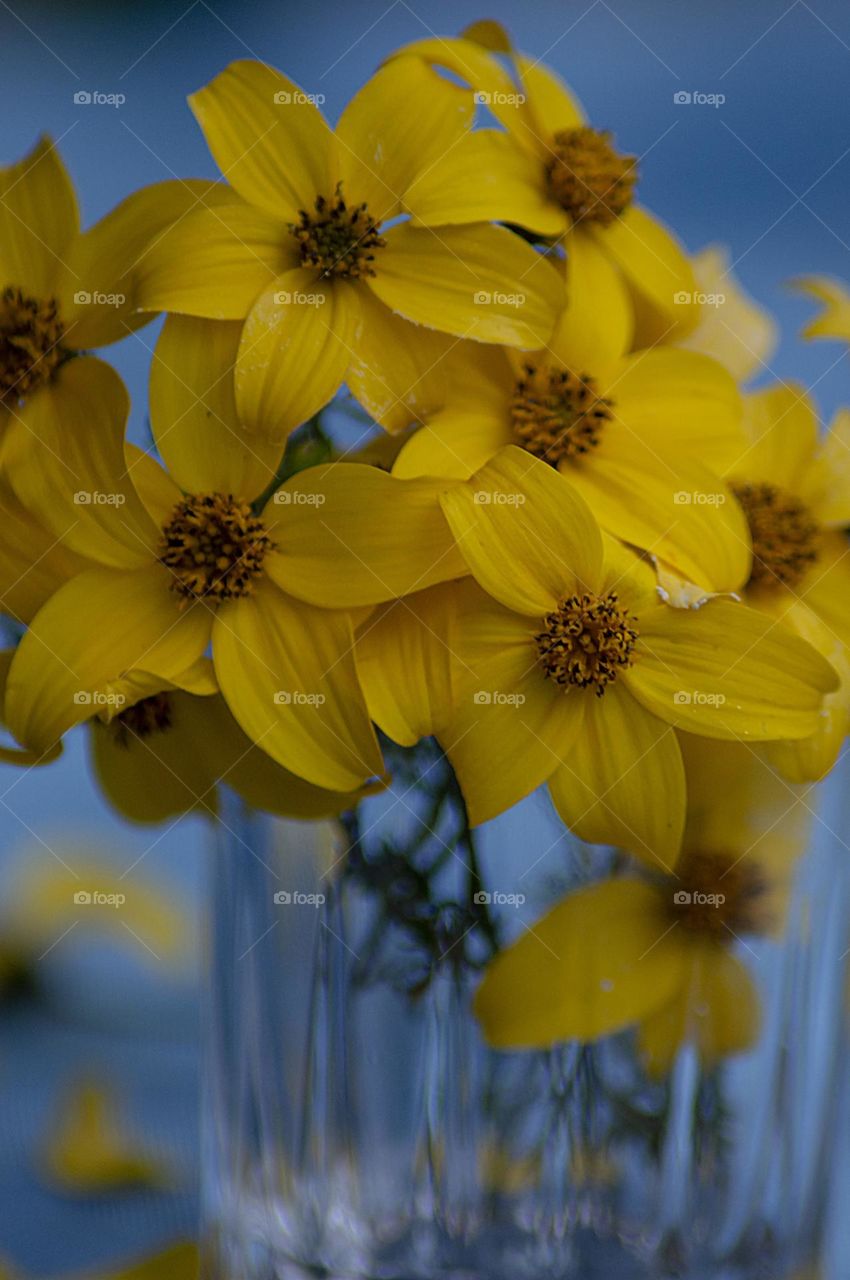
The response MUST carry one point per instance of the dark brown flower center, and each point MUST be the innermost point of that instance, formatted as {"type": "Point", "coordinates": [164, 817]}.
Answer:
{"type": "Point", "coordinates": [148, 716]}
{"type": "Point", "coordinates": [586, 641]}
{"type": "Point", "coordinates": [785, 536]}
{"type": "Point", "coordinates": [30, 343]}
{"type": "Point", "coordinates": [588, 178]}
{"type": "Point", "coordinates": [339, 241]}
{"type": "Point", "coordinates": [558, 415]}
{"type": "Point", "coordinates": [716, 895]}
{"type": "Point", "coordinates": [214, 547]}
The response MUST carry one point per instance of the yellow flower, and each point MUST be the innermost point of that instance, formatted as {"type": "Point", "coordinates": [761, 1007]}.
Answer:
{"type": "Point", "coordinates": [210, 553]}
{"type": "Point", "coordinates": [660, 954]}
{"type": "Point", "coordinates": [643, 437]}
{"type": "Point", "coordinates": [63, 290]}
{"type": "Point", "coordinates": [87, 1152]}
{"type": "Point", "coordinates": [732, 326]}
{"type": "Point", "coordinates": [794, 490]}
{"type": "Point", "coordinates": [304, 253]}
{"type": "Point", "coordinates": [571, 672]}
{"type": "Point", "coordinates": [834, 320]}
{"type": "Point", "coordinates": [569, 181]}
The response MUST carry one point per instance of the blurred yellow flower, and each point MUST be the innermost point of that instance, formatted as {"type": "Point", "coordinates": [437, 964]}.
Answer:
{"type": "Point", "coordinates": [732, 326]}
{"type": "Point", "coordinates": [570, 671]}
{"type": "Point", "coordinates": [310, 251]}
{"type": "Point", "coordinates": [660, 954]}
{"type": "Point", "coordinates": [87, 1152]}
{"type": "Point", "coordinates": [834, 320]}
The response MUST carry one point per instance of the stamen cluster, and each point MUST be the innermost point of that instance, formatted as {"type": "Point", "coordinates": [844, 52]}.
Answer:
{"type": "Point", "coordinates": [214, 547]}
{"type": "Point", "coordinates": [586, 642]}
{"type": "Point", "coordinates": [558, 415]}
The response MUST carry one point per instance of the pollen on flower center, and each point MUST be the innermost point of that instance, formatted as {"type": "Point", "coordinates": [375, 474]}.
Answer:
{"type": "Point", "coordinates": [214, 547]}
{"type": "Point", "coordinates": [145, 717]}
{"type": "Point", "coordinates": [587, 640]}
{"type": "Point", "coordinates": [784, 534]}
{"type": "Point", "coordinates": [30, 342]}
{"type": "Point", "coordinates": [558, 415]}
{"type": "Point", "coordinates": [718, 895]}
{"type": "Point", "coordinates": [337, 239]}
{"type": "Point", "coordinates": [588, 178]}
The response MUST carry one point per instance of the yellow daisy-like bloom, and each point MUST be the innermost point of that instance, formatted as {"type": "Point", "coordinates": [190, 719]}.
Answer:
{"type": "Point", "coordinates": [643, 437]}
{"type": "Point", "coordinates": [661, 954]}
{"type": "Point", "coordinates": [569, 180]}
{"type": "Point", "coordinates": [570, 671]}
{"type": "Point", "coordinates": [794, 490]}
{"type": "Point", "coordinates": [316, 251]}
{"type": "Point", "coordinates": [833, 322]}
{"type": "Point", "coordinates": [63, 290]}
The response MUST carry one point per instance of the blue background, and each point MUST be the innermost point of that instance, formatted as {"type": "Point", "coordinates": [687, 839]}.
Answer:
{"type": "Point", "coordinates": [768, 174]}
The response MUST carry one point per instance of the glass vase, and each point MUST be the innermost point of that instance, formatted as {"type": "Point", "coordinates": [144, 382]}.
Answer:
{"type": "Point", "coordinates": [358, 1125]}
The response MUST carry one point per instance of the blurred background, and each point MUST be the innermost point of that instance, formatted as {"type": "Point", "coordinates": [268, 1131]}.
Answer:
{"type": "Point", "coordinates": [766, 173]}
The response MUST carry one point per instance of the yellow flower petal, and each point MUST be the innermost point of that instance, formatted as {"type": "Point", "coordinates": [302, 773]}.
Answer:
{"type": "Point", "coordinates": [510, 729]}
{"type": "Point", "coordinates": [734, 329]}
{"type": "Point", "coordinates": [38, 220]}
{"type": "Point", "coordinates": [296, 346]}
{"type": "Point", "coordinates": [597, 962]}
{"type": "Point", "coordinates": [64, 457]}
{"type": "Point", "coordinates": [685, 516]}
{"type": "Point", "coordinates": [781, 426]}
{"type": "Point", "coordinates": [552, 105]}
{"type": "Point", "coordinates": [267, 137]}
{"type": "Point", "coordinates": [682, 404]}
{"type": "Point", "coordinates": [287, 672]}
{"type": "Point", "coordinates": [608, 789]}
{"type": "Point", "coordinates": [98, 289]}
{"type": "Point", "coordinates": [386, 538]}
{"type": "Point", "coordinates": [527, 536]}
{"type": "Point", "coordinates": [827, 588]}
{"type": "Point", "coordinates": [88, 1154]}
{"type": "Point", "coordinates": [485, 177]}
{"type": "Point", "coordinates": [404, 661]}
{"type": "Point", "coordinates": [87, 639]}
{"type": "Point", "coordinates": [827, 488]}
{"type": "Point", "coordinates": [454, 444]}
{"type": "Point", "coordinates": [403, 121]}
{"type": "Point", "coordinates": [716, 1008]}
{"type": "Point", "coordinates": [152, 482]}
{"type": "Point", "coordinates": [834, 320]}
{"type": "Point", "coordinates": [215, 261]}
{"type": "Point", "coordinates": [475, 65]}
{"type": "Point", "coordinates": [193, 411]}
{"type": "Point", "coordinates": [33, 561]}
{"type": "Point", "coordinates": [658, 270]}
{"type": "Point", "coordinates": [479, 281]}
{"type": "Point", "coordinates": [16, 755]}
{"type": "Point", "coordinates": [726, 671]}
{"type": "Point", "coordinates": [596, 325]}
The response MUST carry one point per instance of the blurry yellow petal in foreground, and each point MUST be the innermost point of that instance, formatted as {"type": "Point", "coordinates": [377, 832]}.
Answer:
{"type": "Point", "coordinates": [732, 326]}
{"type": "Point", "coordinates": [81, 893]}
{"type": "Point", "coordinates": [178, 1262]}
{"type": "Point", "coordinates": [87, 1151]}
{"type": "Point", "coordinates": [833, 321]}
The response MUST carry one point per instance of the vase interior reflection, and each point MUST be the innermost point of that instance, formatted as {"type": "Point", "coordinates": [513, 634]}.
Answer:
{"type": "Point", "coordinates": [358, 1124]}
